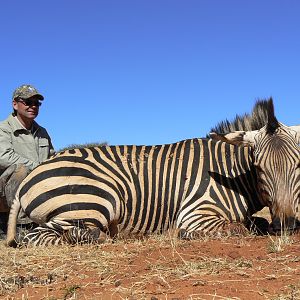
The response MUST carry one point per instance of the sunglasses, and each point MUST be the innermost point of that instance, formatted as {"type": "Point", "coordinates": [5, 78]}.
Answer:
{"type": "Point", "coordinates": [30, 102]}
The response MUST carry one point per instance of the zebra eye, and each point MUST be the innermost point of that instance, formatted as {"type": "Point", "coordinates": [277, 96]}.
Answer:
{"type": "Point", "coordinates": [258, 168]}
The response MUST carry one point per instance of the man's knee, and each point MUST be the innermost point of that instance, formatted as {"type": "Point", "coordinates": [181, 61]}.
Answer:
{"type": "Point", "coordinates": [20, 173]}
{"type": "Point", "coordinates": [11, 186]}
{"type": "Point", "coordinates": [4, 178]}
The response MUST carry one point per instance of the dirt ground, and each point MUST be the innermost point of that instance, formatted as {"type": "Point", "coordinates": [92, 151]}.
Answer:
{"type": "Point", "coordinates": [157, 267]}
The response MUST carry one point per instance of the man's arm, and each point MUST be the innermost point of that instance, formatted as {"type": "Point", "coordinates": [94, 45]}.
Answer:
{"type": "Point", "coordinates": [8, 156]}
{"type": "Point", "coordinates": [51, 148]}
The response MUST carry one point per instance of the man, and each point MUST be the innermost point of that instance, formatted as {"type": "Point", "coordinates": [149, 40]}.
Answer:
{"type": "Point", "coordinates": [23, 146]}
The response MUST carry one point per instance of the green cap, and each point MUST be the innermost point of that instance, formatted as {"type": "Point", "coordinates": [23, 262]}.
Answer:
{"type": "Point", "coordinates": [26, 91]}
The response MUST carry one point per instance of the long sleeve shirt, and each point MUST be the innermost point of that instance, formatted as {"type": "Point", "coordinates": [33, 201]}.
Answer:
{"type": "Point", "coordinates": [19, 145]}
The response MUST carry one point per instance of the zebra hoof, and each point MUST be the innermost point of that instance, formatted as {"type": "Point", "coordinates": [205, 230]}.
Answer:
{"type": "Point", "coordinates": [258, 225]}
{"type": "Point", "coordinates": [182, 234]}
{"type": "Point", "coordinates": [13, 244]}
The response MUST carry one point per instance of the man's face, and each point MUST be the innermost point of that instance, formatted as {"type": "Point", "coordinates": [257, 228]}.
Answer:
{"type": "Point", "coordinates": [27, 108]}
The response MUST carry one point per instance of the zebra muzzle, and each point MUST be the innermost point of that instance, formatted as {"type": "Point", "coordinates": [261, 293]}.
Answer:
{"type": "Point", "coordinates": [286, 224]}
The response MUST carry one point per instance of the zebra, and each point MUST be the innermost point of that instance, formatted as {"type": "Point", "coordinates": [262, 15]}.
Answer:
{"type": "Point", "coordinates": [276, 158]}
{"type": "Point", "coordinates": [194, 186]}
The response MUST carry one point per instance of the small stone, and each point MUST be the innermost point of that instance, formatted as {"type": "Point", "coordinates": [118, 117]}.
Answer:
{"type": "Point", "coordinates": [234, 254]}
{"type": "Point", "coordinates": [117, 283]}
{"type": "Point", "coordinates": [199, 283]}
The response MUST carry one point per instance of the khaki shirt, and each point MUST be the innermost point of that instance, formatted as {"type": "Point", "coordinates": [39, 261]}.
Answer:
{"type": "Point", "coordinates": [21, 146]}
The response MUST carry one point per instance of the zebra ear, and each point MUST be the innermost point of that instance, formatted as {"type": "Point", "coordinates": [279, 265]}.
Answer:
{"type": "Point", "coordinates": [235, 138]}
{"type": "Point", "coordinates": [245, 138]}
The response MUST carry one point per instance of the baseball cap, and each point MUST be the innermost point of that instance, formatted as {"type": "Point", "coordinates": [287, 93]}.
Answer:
{"type": "Point", "coordinates": [26, 91]}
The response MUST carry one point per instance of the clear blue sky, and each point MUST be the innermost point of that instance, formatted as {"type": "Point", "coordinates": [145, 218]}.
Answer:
{"type": "Point", "coordinates": [149, 72]}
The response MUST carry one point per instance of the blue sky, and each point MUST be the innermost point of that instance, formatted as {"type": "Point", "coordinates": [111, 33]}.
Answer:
{"type": "Point", "coordinates": [149, 72]}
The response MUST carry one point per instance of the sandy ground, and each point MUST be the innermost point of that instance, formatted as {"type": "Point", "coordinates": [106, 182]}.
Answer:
{"type": "Point", "coordinates": [156, 267]}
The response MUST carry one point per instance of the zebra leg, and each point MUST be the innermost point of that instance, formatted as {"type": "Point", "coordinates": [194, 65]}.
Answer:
{"type": "Point", "coordinates": [12, 223]}
{"type": "Point", "coordinates": [57, 232]}
{"type": "Point", "coordinates": [196, 225]}
{"type": "Point", "coordinates": [49, 233]}
{"type": "Point", "coordinates": [41, 236]}
{"type": "Point", "coordinates": [258, 225]}
{"type": "Point", "coordinates": [77, 235]}
{"type": "Point", "coordinates": [81, 232]}
{"type": "Point", "coordinates": [228, 229]}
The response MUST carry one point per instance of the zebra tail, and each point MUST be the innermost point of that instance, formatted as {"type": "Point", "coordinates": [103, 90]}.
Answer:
{"type": "Point", "coordinates": [12, 223]}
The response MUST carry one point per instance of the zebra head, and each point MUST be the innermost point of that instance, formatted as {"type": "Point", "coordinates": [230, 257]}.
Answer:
{"type": "Point", "coordinates": [276, 157]}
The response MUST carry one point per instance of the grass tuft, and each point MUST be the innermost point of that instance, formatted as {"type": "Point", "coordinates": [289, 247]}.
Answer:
{"type": "Point", "coordinates": [278, 243]}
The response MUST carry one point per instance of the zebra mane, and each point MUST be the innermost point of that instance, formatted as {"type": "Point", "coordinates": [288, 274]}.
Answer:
{"type": "Point", "coordinates": [81, 146]}
{"type": "Point", "coordinates": [273, 123]}
{"type": "Point", "coordinates": [263, 111]}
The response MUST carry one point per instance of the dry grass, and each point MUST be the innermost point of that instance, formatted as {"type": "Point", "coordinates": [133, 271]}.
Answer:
{"type": "Point", "coordinates": [276, 243]}
{"type": "Point", "coordinates": [42, 266]}
{"type": "Point", "coordinates": [156, 267]}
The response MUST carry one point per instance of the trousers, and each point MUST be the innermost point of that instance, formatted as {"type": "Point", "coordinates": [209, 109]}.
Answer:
{"type": "Point", "coordinates": [10, 180]}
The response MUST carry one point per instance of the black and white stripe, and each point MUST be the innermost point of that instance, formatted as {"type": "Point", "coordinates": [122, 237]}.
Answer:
{"type": "Point", "coordinates": [193, 185]}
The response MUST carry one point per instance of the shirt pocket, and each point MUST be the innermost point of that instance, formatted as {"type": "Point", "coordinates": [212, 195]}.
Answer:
{"type": "Point", "coordinates": [43, 149]}
{"type": "Point", "coordinates": [43, 142]}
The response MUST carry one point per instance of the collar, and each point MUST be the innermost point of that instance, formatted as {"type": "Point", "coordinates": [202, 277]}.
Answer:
{"type": "Point", "coordinates": [17, 126]}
